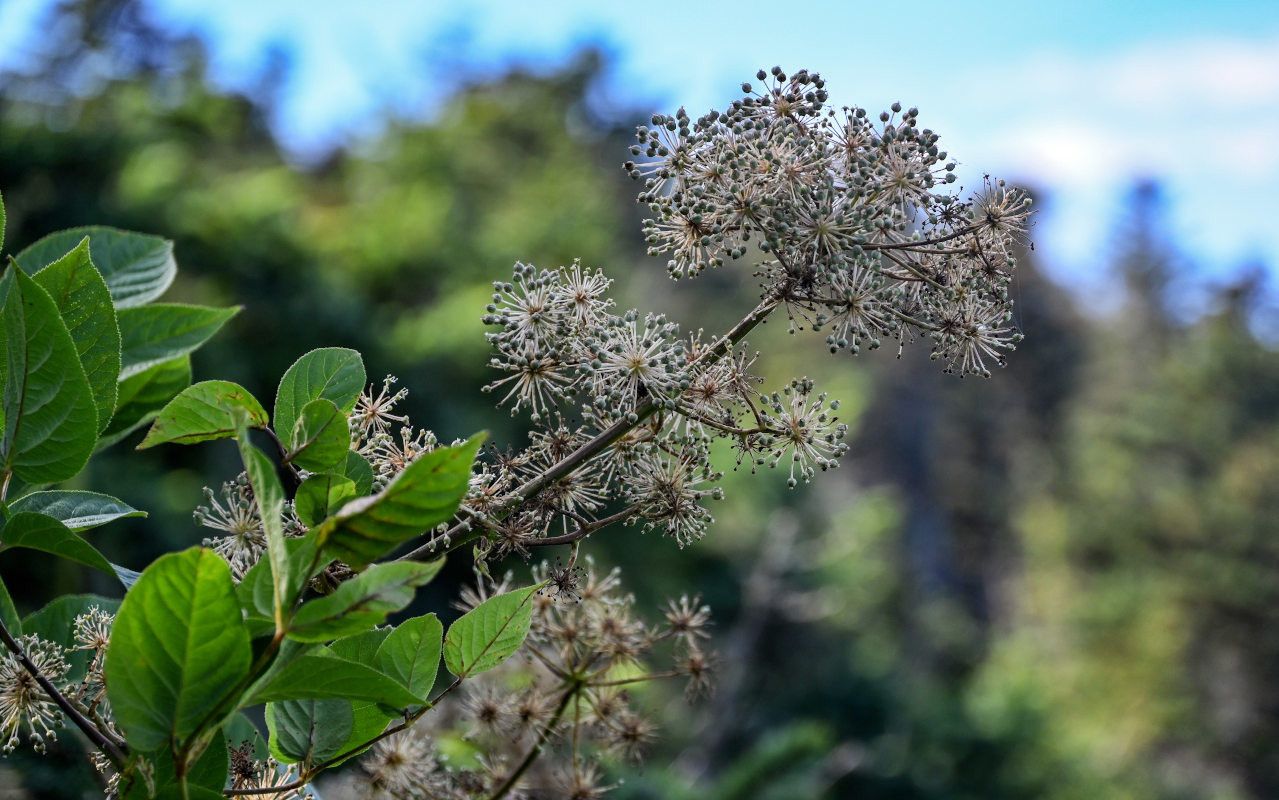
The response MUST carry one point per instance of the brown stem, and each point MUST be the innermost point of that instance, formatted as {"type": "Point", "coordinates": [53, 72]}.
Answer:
{"type": "Point", "coordinates": [101, 739]}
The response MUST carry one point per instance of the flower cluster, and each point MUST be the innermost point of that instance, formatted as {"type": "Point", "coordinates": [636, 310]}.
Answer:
{"type": "Point", "coordinates": [859, 234]}
{"type": "Point", "coordinates": [570, 695]}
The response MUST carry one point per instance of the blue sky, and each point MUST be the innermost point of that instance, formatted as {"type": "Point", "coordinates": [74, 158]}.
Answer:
{"type": "Point", "coordinates": [1078, 98]}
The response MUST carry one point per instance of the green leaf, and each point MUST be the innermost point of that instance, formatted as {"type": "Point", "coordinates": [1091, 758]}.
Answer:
{"type": "Point", "coordinates": [362, 602]}
{"type": "Point", "coordinates": [321, 495]}
{"type": "Point", "coordinates": [137, 268]}
{"type": "Point", "coordinates": [257, 591]}
{"type": "Point", "coordinates": [143, 395]}
{"type": "Point", "coordinates": [269, 496]}
{"type": "Point", "coordinates": [331, 373]}
{"type": "Point", "coordinates": [78, 510]}
{"type": "Point", "coordinates": [203, 412]}
{"type": "Point", "coordinates": [488, 634]}
{"type": "Point", "coordinates": [42, 532]}
{"type": "Point", "coordinates": [161, 332]}
{"type": "Point", "coordinates": [2, 222]}
{"type": "Point", "coordinates": [56, 622]}
{"type": "Point", "coordinates": [360, 648]}
{"type": "Point", "coordinates": [321, 438]}
{"type": "Point", "coordinates": [205, 778]}
{"type": "Point", "coordinates": [85, 305]}
{"type": "Point", "coordinates": [51, 422]}
{"type": "Point", "coordinates": [310, 731]}
{"type": "Point", "coordinates": [425, 494]}
{"type": "Point", "coordinates": [411, 654]}
{"type": "Point", "coordinates": [8, 612]}
{"type": "Point", "coordinates": [177, 650]}
{"type": "Point", "coordinates": [358, 469]}
{"type": "Point", "coordinates": [314, 676]}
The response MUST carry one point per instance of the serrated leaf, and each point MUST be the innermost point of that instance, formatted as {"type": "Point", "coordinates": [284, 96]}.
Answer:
{"type": "Point", "coordinates": [309, 731]}
{"type": "Point", "coordinates": [78, 510]}
{"type": "Point", "coordinates": [326, 676]}
{"type": "Point", "coordinates": [425, 494]}
{"type": "Point", "coordinates": [321, 495]}
{"type": "Point", "coordinates": [177, 649]}
{"type": "Point", "coordinates": [42, 532]}
{"type": "Point", "coordinates": [269, 496]}
{"type": "Point", "coordinates": [362, 602]}
{"type": "Point", "coordinates": [357, 468]}
{"type": "Point", "coordinates": [136, 268]}
{"type": "Point", "coordinates": [488, 634]}
{"type": "Point", "coordinates": [143, 395]}
{"type": "Point", "coordinates": [411, 654]}
{"type": "Point", "coordinates": [331, 373]}
{"type": "Point", "coordinates": [84, 302]}
{"type": "Point", "coordinates": [205, 411]}
{"type": "Point", "coordinates": [160, 332]}
{"type": "Point", "coordinates": [51, 422]}
{"type": "Point", "coordinates": [321, 437]}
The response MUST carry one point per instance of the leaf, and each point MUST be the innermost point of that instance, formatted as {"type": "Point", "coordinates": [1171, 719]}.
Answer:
{"type": "Point", "coordinates": [360, 648]}
{"type": "Point", "coordinates": [143, 395]}
{"type": "Point", "coordinates": [2, 222]}
{"type": "Point", "coordinates": [411, 654]}
{"type": "Point", "coordinates": [331, 373]}
{"type": "Point", "coordinates": [256, 590]}
{"type": "Point", "coordinates": [488, 634]}
{"type": "Point", "coordinates": [358, 469]}
{"type": "Point", "coordinates": [8, 612]}
{"type": "Point", "coordinates": [177, 650]}
{"type": "Point", "coordinates": [161, 332]}
{"type": "Point", "coordinates": [425, 494]}
{"type": "Point", "coordinates": [362, 602]}
{"type": "Point", "coordinates": [84, 302]}
{"type": "Point", "coordinates": [51, 422]}
{"type": "Point", "coordinates": [321, 495]}
{"type": "Point", "coordinates": [78, 510]}
{"type": "Point", "coordinates": [137, 268]}
{"type": "Point", "coordinates": [56, 622]}
{"type": "Point", "coordinates": [239, 730]}
{"type": "Point", "coordinates": [269, 496]}
{"type": "Point", "coordinates": [319, 677]}
{"type": "Point", "coordinates": [42, 532]}
{"type": "Point", "coordinates": [205, 411]}
{"type": "Point", "coordinates": [321, 438]}
{"type": "Point", "coordinates": [205, 778]}
{"type": "Point", "coordinates": [310, 731]}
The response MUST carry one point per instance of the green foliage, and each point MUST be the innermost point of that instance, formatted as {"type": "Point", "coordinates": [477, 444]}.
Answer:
{"type": "Point", "coordinates": [84, 302]}
{"type": "Point", "coordinates": [160, 332]}
{"type": "Point", "coordinates": [488, 634]}
{"type": "Point", "coordinates": [178, 651]}
{"type": "Point", "coordinates": [51, 422]}
{"type": "Point", "coordinates": [320, 496]}
{"type": "Point", "coordinates": [208, 410]}
{"type": "Point", "coordinates": [411, 653]}
{"type": "Point", "coordinates": [362, 602]}
{"type": "Point", "coordinates": [42, 532]}
{"type": "Point", "coordinates": [330, 373]}
{"type": "Point", "coordinates": [77, 509]}
{"type": "Point", "coordinates": [142, 397]}
{"type": "Point", "coordinates": [425, 494]}
{"type": "Point", "coordinates": [320, 438]}
{"type": "Point", "coordinates": [309, 730]}
{"type": "Point", "coordinates": [136, 268]}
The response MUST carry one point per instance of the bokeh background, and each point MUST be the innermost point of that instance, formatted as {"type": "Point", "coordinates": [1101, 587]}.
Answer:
{"type": "Point", "coordinates": [1059, 584]}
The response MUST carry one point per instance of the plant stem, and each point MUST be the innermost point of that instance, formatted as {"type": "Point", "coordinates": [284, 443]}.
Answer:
{"type": "Point", "coordinates": [536, 750]}
{"type": "Point", "coordinates": [101, 739]}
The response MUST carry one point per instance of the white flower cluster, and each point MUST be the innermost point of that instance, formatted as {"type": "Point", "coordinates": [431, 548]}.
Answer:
{"type": "Point", "coordinates": [859, 236]}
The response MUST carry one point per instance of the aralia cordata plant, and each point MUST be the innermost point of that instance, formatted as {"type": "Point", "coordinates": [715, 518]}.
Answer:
{"type": "Point", "coordinates": [853, 231]}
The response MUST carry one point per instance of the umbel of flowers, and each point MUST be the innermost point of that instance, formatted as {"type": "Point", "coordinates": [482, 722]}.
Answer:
{"type": "Point", "coordinates": [853, 228]}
